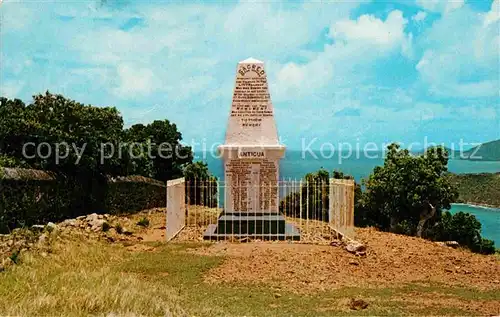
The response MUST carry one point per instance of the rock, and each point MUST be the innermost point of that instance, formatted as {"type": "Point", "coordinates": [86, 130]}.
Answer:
{"type": "Point", "coordinates": [96, 224]}
{"type": "Point", "coordinates": [44, 254]}
{"type": "Point", "coordinates": [335, 243]}
{"type": "Point", "coordinates": [100, 216]}
{"type": "Point", "coordinates": [277, 295]}
{"type": "Point", "coordinates": [126, 231]}
{"type": "Point", "coordinates": [80, 217]}
{"type": "Point", "coordinates": [72, 222]}
{"type": "Point", "coordinates": [92, 217]}
{"type": "Point", "coordinates": [51, 226]}
{"type": "Point", "coordinates": [361, 253]}
{"type": "Point", "coordinates": [37, 227]}
{"type": "Point", "coordinates": [353, 263]}
{"type": "Point", "coordinates": [354, 246]}
{"type": "Point", "coordinates": [357, 304]}
{"type": "Point", "coordinates": [451, 244]}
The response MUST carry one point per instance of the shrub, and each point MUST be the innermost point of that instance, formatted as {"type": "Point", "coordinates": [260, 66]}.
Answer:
{"type": "Point", "coordinates": [144, 222]}
{"type": "Point", "coordinates": [404, 227]}
{"type": "Point", "coordinates": [105, 226]}
{"type": "Point", "coordinates": [463, 228]}
{"type": "Point", "coordinates": [486, 246]}
{"type": "Point", "coordinates": [15, 256]}
{"type": "Point", "coordinates": [201, 186]}
{"type": "Point", "coordinates": [119, 228]}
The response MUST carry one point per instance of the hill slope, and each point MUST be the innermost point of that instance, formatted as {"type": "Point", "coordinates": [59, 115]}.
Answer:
{"type": "Point", "coordinates": [489, 151]}
{"type": "Point", "coordinates": [479, 189]}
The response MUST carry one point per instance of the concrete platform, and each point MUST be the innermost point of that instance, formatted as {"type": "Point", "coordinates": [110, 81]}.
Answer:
{"type": "Point", "coordinates": [291, 233]}
{"type": "Point", "coordinates": [251, 223]}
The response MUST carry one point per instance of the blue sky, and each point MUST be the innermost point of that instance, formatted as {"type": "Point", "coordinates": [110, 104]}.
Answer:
{"type": "Point", "coordinates": [340, 71]}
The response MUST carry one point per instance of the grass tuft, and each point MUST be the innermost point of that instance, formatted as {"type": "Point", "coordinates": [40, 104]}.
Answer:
{"type": "Point", "coordinates": [143, 222]}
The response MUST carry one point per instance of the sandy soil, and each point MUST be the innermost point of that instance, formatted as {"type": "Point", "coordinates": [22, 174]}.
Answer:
{"type": "Point", "coordinates": [391, 260]}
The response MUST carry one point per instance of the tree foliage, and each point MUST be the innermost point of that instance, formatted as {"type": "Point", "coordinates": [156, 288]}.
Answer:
{"type": "Point", "coordinates": [408, 195]}
{"type": "Point", "coordinates": [311, 201]}
{"type": "Point", "coordinates": [162, 141]}
{"type": "Point", "coordinates": [91, 143]}
{"type": "Point", "coordinates": [463, 228]}
{"type": "Point", "coordinates": [201, 185]}
{"type": "Point", "coordinates": [408, 191]}
{"type": "Point", "coordinates": [94, 132]}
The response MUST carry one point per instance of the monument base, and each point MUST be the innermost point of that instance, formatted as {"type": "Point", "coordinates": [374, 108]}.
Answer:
{"type": "Point", "coordinates": [253, 225]}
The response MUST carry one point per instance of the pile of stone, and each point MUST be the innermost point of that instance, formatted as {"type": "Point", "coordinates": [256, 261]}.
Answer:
{"type": "Point", "coordinates": [21, 240]}
{"type": "Point", "coordinates": [96, 223]}
{"type": "Point", "coordinates": [451, 244]}
{"type": "Point", "coordinates": [39, 237]}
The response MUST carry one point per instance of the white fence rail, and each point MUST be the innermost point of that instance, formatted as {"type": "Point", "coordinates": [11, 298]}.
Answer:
{"type": "Point", "coordinates": [320, 208]}
{"type": "Point", "coordinates": [176, 207]}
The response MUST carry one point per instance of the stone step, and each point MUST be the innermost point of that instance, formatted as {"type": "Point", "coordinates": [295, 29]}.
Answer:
{"type": "Point", "coordinates": [251, 224]}
{"type": "Point", "coordinates": [291, 233]}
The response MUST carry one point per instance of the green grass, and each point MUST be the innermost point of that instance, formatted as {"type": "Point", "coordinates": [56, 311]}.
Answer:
{"type": "Point", "coordinates": [91, 278]}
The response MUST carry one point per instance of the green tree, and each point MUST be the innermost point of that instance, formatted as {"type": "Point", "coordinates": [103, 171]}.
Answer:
{"type": "Point", "coordinates": [312, 199]}
{"type": "Point", "coordinates": [408, 191]}
{"type": "Point", "coordinates": [161, 143]}
{"type": "Point", "coordinates": [201, 185]}
{"type": "Point", "coordinates": [63, 123]}
{"type": "Point", "coordinates": [13, 128]}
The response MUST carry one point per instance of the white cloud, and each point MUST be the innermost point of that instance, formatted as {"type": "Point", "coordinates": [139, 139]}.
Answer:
{"type": "Point", "coordinates": [461, 55]}
{"type": "Point", "coordinates": [494, 14]}
{"type": "Point", "coordinates": [134, 81]}
{"type": "Point", "coordinates": [442, 6]}
{"type": "Point", "coordinates": [181, 60]}
{"type": "Point", "coordinates": [420, 16]}
{"type": "Point", "coordinates": [10, 88]}
{"type": "Point", "coordinates": [346, 62]}
{"type": "Point", "coordinates": [369, 29]}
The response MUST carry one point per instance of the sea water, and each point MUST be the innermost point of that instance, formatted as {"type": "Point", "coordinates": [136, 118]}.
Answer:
{"type": "Point", "coordinates": [488, 217]}
{"type": "Point", "coordinates": [296, 164]}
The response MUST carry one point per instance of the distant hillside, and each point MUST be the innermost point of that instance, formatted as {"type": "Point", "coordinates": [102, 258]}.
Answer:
{"type": "Point", "coordinates": [479, 189]}
{"type": "Point", "coordinates": [489, 151]}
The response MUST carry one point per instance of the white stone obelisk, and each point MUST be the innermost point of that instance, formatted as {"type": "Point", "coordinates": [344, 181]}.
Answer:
{"type": "Point", "coordinates": [251, 151]}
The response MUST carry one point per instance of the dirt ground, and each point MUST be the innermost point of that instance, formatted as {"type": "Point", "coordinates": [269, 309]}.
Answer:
{"type": "Point", "coordinates": [390, 260]}
{"type": "Point", "coordinates": [313, 264]}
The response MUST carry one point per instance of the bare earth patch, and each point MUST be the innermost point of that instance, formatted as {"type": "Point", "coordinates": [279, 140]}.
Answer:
{"type": "Point", "coordinates": [391, 260]}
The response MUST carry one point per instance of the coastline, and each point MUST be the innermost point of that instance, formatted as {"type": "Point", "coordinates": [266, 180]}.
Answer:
{"type": "Point", "coordinates": [478, 205]}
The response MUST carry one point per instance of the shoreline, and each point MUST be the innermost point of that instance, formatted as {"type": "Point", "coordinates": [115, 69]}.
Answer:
{"type": "Point", "coordinates": [478, 205]}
